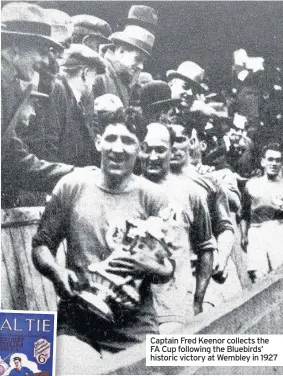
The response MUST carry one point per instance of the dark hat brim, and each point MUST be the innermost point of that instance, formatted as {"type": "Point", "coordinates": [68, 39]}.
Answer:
{"type": "Point", "coordinates": [103, 38]}
{"type": "Point", "coordinates": [123, 38]}
{"type": "Point", "coordinates": [174, 74]}
{"type": "Point", "coordinates": [50, 42]}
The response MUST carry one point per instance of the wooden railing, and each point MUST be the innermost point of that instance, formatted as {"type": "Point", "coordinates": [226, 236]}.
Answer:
{"type": "Point", "coordinates": [258, 310]}
{"type": "Point", "coordinates": [22, 286]}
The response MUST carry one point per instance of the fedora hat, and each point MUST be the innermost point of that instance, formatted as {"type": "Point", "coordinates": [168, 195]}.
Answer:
{"type": "Point", "coordinates": [144, 16]}
{"type": "Point", "coordinates": [190, 72]}
{"type": "Point", "coordinates": [28, 20]}
{"type": "Point", "coordinates": [135, 36]}
{"type": "Point", "coordinates": [155, 94]}
{"type": "Point", "coordinates": [86, 24]}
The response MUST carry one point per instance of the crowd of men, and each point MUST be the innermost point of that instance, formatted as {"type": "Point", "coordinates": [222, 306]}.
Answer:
{"type": "Point", "coordinates": [84, 124]}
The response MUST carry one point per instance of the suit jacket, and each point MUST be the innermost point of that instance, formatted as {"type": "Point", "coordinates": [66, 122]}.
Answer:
{"type": "Point", "coordinates": [116, 80]}
{"type": "Point", "coordinates": [77, 128]}
{"type": "Point", "coordinates": [20, 168]}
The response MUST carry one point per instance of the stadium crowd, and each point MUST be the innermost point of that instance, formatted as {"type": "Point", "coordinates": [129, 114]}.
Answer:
{"type": "Point", "coordinates": [98, 141]}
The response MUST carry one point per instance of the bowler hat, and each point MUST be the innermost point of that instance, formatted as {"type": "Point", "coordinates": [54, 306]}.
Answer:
{"type": "Point", "coordinates": [30, 21]}
{"type": "Point", "coordinates": [144, 16]}
{"type": "Point", "coordinates": [156, 93]}
{"type": "Point", "coordinates": [79, 55]}
{"type": "Point", "coordinates": [135, 36]}
{"type": "Point", "coordinates": [190, 72]}
{"type": "Point", "coordinates": [86, 24]}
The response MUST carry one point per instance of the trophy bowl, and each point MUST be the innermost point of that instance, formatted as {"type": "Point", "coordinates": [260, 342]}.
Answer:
{"type": "Point", "coordinates": [104, 289]}
{"type": "Point", "coordinates": [107, 288]}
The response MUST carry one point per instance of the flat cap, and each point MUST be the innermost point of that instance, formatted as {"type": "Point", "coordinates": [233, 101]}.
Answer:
{"type": "Point", "coordinates": [80, 55]}
{"type": "Point", "coordinates": [107, 103]}
{"type": "Point", "coordinates": [91, 25]}
{"type": "Point", "coordinates": [62, 25]}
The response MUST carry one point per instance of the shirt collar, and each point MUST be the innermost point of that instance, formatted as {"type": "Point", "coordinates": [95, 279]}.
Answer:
{"type": "Point", "coordinates": [8, 71]}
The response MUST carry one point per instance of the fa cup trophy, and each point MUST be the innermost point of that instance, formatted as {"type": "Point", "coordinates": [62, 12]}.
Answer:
{"type": "Point", "coordinates": [143, 240]}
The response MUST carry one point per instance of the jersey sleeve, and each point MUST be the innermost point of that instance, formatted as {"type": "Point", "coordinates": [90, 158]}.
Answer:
{"type": "Point", "coordinates": [221, 216]}
{"type": "Point", "coordinates": [246, 204]}
{"type": "Point", "coordinates": [197, 219]}
{"type": "Point", "coordinates": [53, 224]}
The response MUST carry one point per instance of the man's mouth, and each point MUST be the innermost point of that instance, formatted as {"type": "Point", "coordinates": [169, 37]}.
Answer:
{"type": "Point", "coordinates": [153, 166]}
{"type": "Point", "coordinates": [176, 157]}
{"type": "Point", "coordinates": [116, 160]}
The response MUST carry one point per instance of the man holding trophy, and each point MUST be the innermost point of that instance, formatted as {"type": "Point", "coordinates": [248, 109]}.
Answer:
{"type": "Point", "coordinates": [117, 227]}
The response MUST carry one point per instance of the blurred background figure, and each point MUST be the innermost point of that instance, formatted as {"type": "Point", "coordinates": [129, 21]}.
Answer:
{"type": "Point", "coordinates": [145, 78]}
{"type": "Point", "coordinates": [25, 50]}
{"type": "Point", "coordinates": [133, 46]}
{"type": "Point", "coordinates": [186, 82]}
{"type": "Point", "coordinates": [156, 100]}
{"type": "Point", "coordinates": [91, 31]}
{"type": "Point", "coordinates": [262, 220]}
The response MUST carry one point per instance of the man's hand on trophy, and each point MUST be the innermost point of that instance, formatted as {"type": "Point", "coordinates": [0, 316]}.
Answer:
{"type": "Point", "coordinates": [65, 283]}
{"type": "Point", "coordinates": [140, 266]}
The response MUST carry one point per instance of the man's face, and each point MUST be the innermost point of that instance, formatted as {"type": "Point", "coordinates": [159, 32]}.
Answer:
{"type": "Point", "coordinates": [272, 162]}
{"type": "Point", "coordinates": [156, 154]}
{"type": "Point", "coordinates": [180, 147]}
{"type": "Point", "coordinates": [89, 80]}
{"type": "Point", "coordinates": [133, 60]}
{"type": "Point", "coordinates": [17, 363]}
{"type": "Point", "coordinates": [93, 42]}
{"type": "Point", "coordinates": [145, 78]}
{"type": "Point", "coordinates": [181, 90]}
{"type": "Point", "coordinates": [27, 112]}
{"type": "Point", "coordinates": [235, 135]}
{"type": "Point", "coordinates": [195, 148]}
{"type": "Point", "coordinates": [119, 148]}
{"type": "Point", "coordinates": [31, 58]}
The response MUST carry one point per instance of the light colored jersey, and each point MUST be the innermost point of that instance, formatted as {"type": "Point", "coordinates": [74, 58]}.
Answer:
{"type": "Point", "coordinates": [263, 209]}
{"type": "Point", "coordinates": [90, 218]}
{"type": "Point", "coordinates": [174, 299]}
{"type": "Point", "coordinates": [263, 200]}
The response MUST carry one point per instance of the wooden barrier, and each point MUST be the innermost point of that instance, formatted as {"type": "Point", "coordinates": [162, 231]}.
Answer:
{"type": "Point", "coordinates": [22, 286]}
{"type": "Point", "coordinates": [257, 310]}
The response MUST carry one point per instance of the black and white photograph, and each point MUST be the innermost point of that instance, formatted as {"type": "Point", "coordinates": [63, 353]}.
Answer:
{"type": "Point", "coordinates": [142, 178]}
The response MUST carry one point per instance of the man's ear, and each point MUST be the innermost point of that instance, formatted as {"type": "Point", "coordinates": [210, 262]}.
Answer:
{"type": "Point", "coordinates": [203, 146]}
{"type": "Point", "coordinates": [15, 49]}
{"type": "Point", "coordinates": [98, 142]}
{"type": "Point", "coordinates": [120, 49]}
{"type": "Point", "coordinates": [84, 73]}
{"type": "Point", "coordinates": [85, 40]}
{"type": "Point", "coordinates": [262, 162]}
{"type": "Point", "coordinates": [139, 149]}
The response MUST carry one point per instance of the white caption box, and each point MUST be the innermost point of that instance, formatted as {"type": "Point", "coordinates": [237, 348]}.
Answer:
{"type": "Point", "coordinates": [214, 350]}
